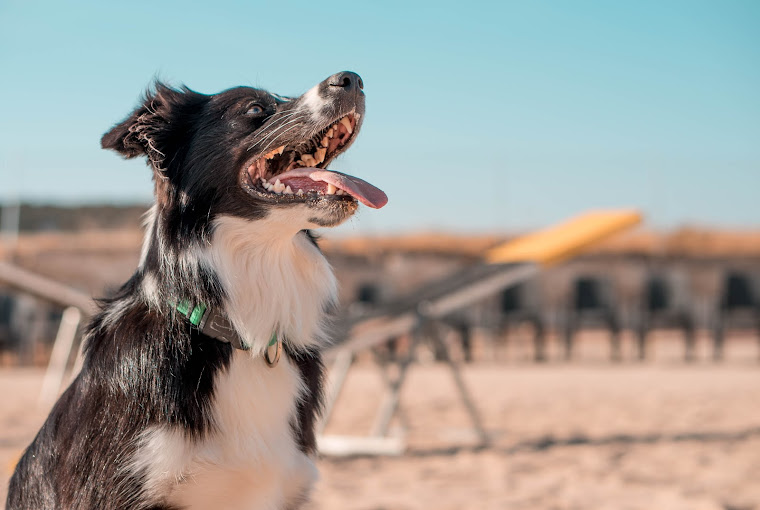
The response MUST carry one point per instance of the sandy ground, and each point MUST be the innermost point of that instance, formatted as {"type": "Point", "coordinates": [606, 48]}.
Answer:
{"type": "Point", "coordinates": [586, 435]}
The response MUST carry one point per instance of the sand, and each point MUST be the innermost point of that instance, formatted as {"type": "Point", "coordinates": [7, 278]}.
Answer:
{"type": "Point", "coordinates": [586, 435]}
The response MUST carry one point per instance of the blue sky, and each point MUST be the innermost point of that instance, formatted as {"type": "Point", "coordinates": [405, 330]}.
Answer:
{"type": "Point", "coordinates": [480, 115]}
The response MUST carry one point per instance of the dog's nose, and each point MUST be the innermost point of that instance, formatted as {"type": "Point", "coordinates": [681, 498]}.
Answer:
{"type": "Point", "coordinates": [345, 82]}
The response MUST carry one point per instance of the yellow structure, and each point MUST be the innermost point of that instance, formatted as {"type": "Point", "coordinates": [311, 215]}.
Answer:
{"type": "Point", "coordinates": [560, 242]}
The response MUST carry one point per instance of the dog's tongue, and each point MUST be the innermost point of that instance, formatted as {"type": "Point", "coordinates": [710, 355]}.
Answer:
{"type": "Point", "coordinates": [361, 190]}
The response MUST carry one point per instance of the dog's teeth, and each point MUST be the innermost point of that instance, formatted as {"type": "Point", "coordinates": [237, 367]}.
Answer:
{"type": "Point", "coordinates": [299, 192]}
{"type": "Point", "coordinates": [278, 186]}
{"type": "Point", "coordinates": [288, 191]}
{"type": "Point", "coordinates": [325, 141]}
{"type": "Point", "coordinates": [340, 192]}
{"type": "Point", "coordinates": [331, 189]}
{"type": "Point", "coordinates": [330, 132]}
{"type": "Point", "coordinates": [319, 155]}
{"type": "Point", "coordinates": [308, 160]}
{"type": "Point", "coordinates": [275, 152]}
{"type": "Point", "coordinates": [347, 124]}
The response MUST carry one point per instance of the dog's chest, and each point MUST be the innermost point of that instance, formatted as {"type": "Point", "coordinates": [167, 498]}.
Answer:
{"type": "Point", "coordinates": [271, 284]}
{"type": "Point", "coordinates": [251, 459]}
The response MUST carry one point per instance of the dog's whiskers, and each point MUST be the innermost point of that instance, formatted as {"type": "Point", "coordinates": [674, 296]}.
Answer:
{"type": "Point", "coordinates": [284, 114]}
{"type": "Point", "coordinates": [279, 121]}
{"type": "Point", "coordinates": [279, 131]}
{"type": "Point", "coordinates": [274, 121]}
{"type": "Point", "coordinates": [274, 126]}
{"type": "Point", "coordinates": [291, 128]}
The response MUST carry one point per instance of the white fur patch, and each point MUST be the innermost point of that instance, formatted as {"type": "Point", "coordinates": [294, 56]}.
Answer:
{"type": "Point", "coordinates": [314, 102]}
{"type": "Point", "coordinates": [149, 221]}
{"type": "Point", "coordinates": [151, 291]}
{"type": "Point", "coordinates": [161, 458]}
{"type": "Point", "coordinates": [249, 461]}
{"type": "Point", "coordinates": [274, 277]}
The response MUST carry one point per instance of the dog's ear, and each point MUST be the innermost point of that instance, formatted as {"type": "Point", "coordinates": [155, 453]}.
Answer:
{"type": "Point", "coordinates": [149, 129]}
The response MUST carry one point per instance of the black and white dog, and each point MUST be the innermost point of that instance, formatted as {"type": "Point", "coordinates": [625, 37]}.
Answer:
{"type": "Point", "coordinates": [202, 377]}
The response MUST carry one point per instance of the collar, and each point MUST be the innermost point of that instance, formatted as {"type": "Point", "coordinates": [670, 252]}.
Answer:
{"type": "Point", "coordinates": [214, 324]}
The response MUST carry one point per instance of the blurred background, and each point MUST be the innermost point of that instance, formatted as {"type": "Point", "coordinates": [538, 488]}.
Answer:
{"type": "Point", "coordinates": [625, 376]}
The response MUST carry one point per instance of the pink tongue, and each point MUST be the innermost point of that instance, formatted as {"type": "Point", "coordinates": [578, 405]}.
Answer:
{"type": "Point", "coordinates": [361, 190]}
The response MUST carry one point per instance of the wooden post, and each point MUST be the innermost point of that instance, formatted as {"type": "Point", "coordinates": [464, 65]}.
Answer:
{"type": "Point", "coordinates": [59, 357]}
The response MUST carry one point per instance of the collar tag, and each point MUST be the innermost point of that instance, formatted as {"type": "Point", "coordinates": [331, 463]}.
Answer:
{"type": "Point", "coordinates": [273, 351]}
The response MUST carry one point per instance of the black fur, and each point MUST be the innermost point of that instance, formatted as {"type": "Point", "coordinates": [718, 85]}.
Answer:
{"type": "Point", "coordinates": [77, 458]}
{"type": "Point", "coordinates": [144, 365]}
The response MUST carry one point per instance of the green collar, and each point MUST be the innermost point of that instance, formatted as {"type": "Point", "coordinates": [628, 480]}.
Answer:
{"type": "Point", "coordinates": [216, 325]}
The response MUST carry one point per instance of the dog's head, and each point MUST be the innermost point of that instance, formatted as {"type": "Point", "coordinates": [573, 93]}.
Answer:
{"type": "Point", "coordinates": [249, 153]}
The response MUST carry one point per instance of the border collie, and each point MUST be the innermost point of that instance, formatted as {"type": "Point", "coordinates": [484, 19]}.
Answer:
{"type": "Point", "coordinates": [202, 377]}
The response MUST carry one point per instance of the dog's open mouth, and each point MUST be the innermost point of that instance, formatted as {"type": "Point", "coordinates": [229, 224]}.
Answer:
{"type": "Point", "coordinates": [298, 173]}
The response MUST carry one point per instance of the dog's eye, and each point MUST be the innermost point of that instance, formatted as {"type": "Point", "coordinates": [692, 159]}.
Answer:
{"type": "Point", "coordinates": [254, 110]}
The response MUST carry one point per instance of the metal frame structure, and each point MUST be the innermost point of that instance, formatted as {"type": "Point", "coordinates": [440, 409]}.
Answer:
{"type": "Point", "coordinates": [419, 313]}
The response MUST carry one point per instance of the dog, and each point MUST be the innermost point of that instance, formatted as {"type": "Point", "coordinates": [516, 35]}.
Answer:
{"type": "Point", "coordinates": [202, 376]}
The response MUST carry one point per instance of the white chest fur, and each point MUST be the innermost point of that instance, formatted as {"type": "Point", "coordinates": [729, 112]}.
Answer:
{"type": "Point", "coordinates": [274, 280]}
{"type": "Point", "coordinates": [251, 461]}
